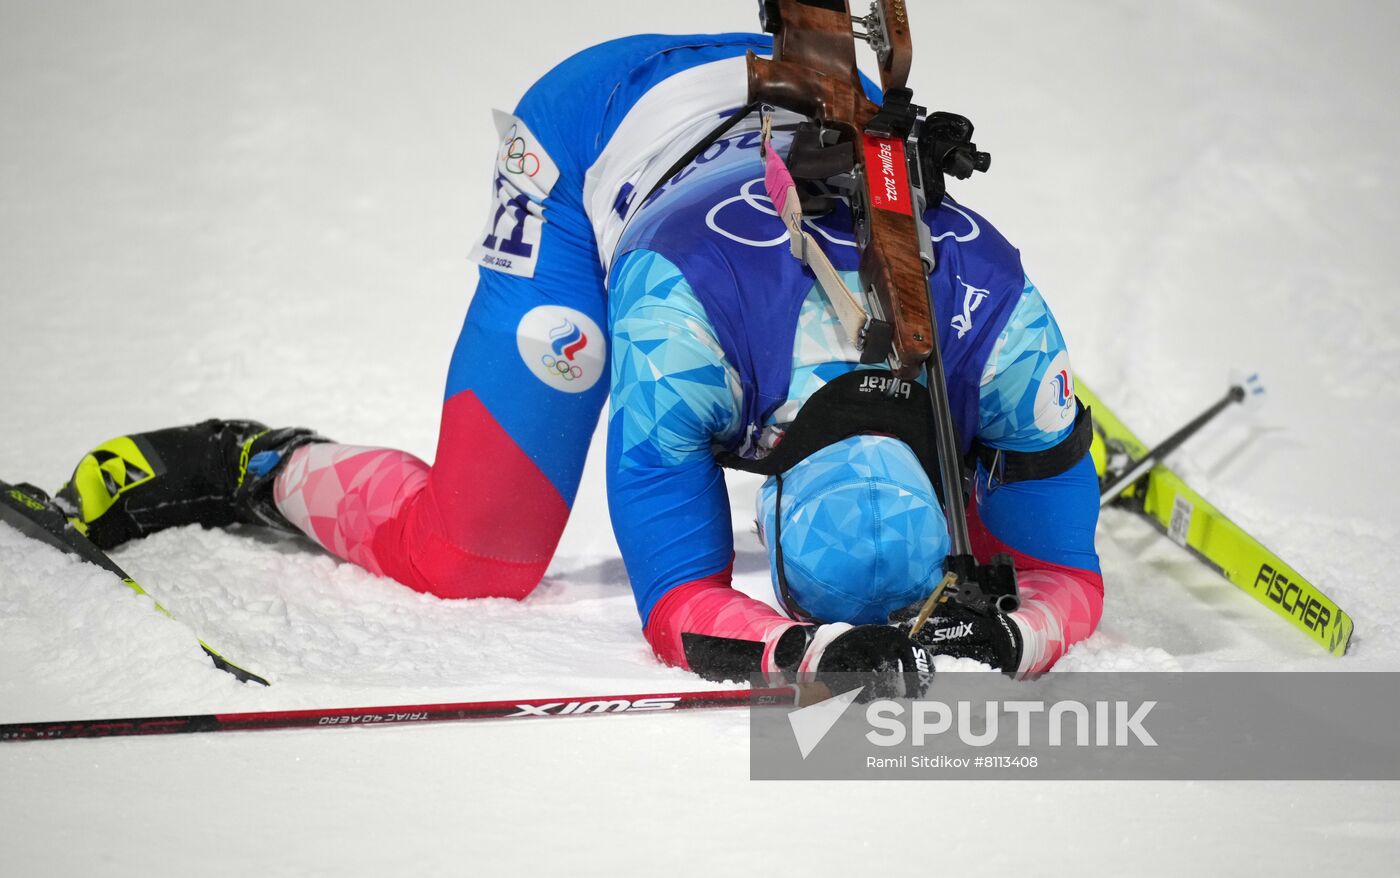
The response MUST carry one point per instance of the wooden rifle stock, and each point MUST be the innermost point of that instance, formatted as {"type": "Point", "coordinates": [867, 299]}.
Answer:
{"type": "Point", "coordinates": [898, 54]}
{"type": "Point", "coordinates": [814, 73]}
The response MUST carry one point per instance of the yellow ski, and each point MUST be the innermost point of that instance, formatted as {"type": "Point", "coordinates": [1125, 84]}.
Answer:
{"type": "Point", "coordinates": [1189, 520]}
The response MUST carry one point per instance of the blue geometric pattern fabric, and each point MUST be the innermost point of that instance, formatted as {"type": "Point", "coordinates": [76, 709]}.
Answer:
{"type": "Point", "coordinates": [870, 486]}
{"type": "Point", "coordinates": [672, 392]}
{"type": "Point", "coordinates": [1027, 392]}
{"type": "Point", "coordinates": [679, 395]}
{"type": "Point", "coordinates": [674, 397]}
{"type": "Point", "coordinates": [820, 352]}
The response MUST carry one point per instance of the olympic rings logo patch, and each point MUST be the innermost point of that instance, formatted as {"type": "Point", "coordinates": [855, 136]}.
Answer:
{"type": "Point", "coordinates": [515, 158]}
{"type": "Point", "coordinates": [562, 347]}
{"type": "Point", "coordinates": [566, 370]}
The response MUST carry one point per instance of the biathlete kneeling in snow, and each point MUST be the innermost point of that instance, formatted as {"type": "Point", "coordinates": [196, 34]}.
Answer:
{"type": "Point", "coordinates": [722, 344]}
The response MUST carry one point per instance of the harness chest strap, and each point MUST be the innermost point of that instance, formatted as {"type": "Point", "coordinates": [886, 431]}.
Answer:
{"type": "Point", "coordinates": [874, 401]}
{"type": "Point", "coordinates": [1023, 466]}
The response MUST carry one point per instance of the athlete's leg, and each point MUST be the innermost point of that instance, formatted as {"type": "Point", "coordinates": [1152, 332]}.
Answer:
{"type": "Point", "coordinates": [485, 518]}
{"type": "Point", "coordinates": [525, 388]}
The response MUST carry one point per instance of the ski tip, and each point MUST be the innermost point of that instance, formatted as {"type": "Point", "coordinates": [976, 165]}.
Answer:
{"type": "Point", "coordinates": [1248, 389]}
{"type": "Point", "coordinates": [224, 664]}
{"type": "Point", "coordinates": [1341, 640]}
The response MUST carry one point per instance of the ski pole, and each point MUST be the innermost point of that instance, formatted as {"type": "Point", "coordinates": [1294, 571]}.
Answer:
{"type": "Point", "coordinates": [340, 717]}
{"type": "Point", "coordinates": [1236, 393]}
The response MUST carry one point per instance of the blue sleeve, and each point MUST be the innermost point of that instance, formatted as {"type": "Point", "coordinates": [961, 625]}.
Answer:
{"type": "Point", "coordinates": [1049, 519]}
{"type": "Point", "coordinates": [672, 396]}
{"type": "Point", "coordinates": [1027, 404]}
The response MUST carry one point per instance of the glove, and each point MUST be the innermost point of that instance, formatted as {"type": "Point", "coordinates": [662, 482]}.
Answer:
{"type": "Point", "coordinates": [881, 658]}
{"type": "Point", "coordinates": [993, 639]}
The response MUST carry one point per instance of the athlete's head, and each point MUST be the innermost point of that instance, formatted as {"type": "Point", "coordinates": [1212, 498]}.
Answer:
{"type": "Point", "coordinates": [855, 530]}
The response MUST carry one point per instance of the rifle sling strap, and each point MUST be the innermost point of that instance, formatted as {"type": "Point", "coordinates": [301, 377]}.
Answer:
{"type": "Point", "coordinates": [705, 143]}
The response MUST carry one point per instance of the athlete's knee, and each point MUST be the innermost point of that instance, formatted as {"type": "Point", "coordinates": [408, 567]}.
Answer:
{"type": "Point", "coordinates": [392, 514]}
{"type": "Point", "coordinates": [428, 549]}
{"type": "Point", "coordinates": [449, 571]}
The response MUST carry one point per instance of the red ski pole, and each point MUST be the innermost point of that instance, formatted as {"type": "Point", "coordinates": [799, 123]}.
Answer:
{"type": "Point", "coordinates": [404, 713]}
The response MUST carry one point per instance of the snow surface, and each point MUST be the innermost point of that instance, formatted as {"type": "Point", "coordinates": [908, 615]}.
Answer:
{"type": "Point", "coordinates": [263, 210]}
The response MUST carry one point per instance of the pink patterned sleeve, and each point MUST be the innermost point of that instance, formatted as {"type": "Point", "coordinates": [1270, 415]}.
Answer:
{"type": "Point", "coordinates": [710, 608]}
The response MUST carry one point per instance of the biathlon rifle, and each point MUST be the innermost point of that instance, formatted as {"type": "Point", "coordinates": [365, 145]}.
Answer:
{"type": "Point", "coordinates": [890, 161]}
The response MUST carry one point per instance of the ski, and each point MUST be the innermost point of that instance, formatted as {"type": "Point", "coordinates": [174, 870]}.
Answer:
{"type": "Point", "coordinates": [413, 713]}
{"type": "Point", "coordinates": [1165, 500]}
{"type": "Point", "coordinates": [33, 513]}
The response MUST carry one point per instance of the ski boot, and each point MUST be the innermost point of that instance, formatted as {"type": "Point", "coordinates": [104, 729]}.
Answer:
{"type": "Point", "coordinates": [215, 473]}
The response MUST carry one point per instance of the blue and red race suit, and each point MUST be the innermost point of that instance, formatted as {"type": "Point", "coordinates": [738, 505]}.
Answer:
{"type": "Point", "coordinates": [717, 337]}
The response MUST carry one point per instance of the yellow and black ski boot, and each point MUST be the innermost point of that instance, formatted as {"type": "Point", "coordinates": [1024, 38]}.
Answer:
{"type": "Point", "coordinates": [215, 473]}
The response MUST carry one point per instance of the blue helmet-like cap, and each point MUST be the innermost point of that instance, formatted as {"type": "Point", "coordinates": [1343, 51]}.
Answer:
{"type": "Point", "coordinates": [862, 531]}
